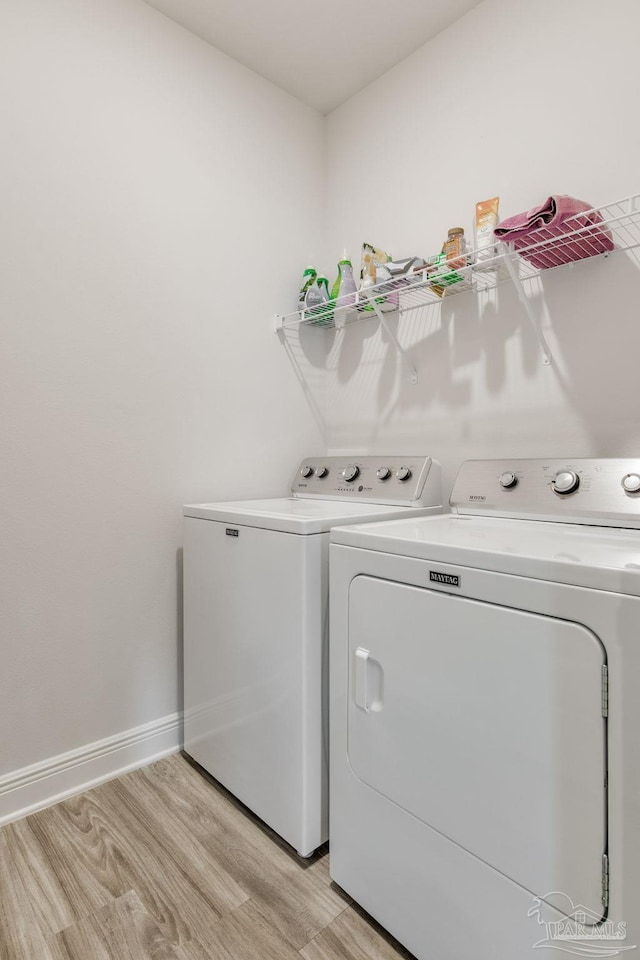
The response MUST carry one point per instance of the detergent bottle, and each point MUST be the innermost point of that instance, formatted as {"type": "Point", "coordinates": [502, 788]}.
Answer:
{"type": "Point", "coordinates": [344, 287]}
{"type": "Point", "coordinates": [317, 302]}
{"type": "Point", "coordinates": [308, 279]}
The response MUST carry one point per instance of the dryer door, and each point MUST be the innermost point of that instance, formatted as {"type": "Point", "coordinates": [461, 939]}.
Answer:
{"type": "Point", "coordinates": [486, 723]}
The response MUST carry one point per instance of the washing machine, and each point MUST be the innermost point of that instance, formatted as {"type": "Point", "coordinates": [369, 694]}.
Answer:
{"type": "Point", "coordinates": [485, 714]}
{"type": "Point", "coordinates": [255, 630]}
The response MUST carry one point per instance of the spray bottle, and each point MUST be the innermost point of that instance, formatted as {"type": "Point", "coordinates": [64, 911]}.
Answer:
{"type": "Point", "coordinates": [344, 287]}
{"type": "Point", "coordinates": [308, 279]}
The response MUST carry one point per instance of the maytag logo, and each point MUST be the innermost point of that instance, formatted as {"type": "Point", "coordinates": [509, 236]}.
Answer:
{"type": "Point", "coordinates": [232, 532]}
{"type": "Point", "coordinates": [477, 498]}
{"type": "Point", "coordinates": [451, 579]}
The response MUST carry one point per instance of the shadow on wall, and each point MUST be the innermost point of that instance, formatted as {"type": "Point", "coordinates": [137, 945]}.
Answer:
{"type": "Point", "coordinates": [307, 348]}
{"type": "Point", "coordinates": [597, 337]}
{"type": "Point", "coordinates": [481, 371]}
{"type": "Point", "coordinates": [459, 346]}
{"type": "Point", "coordinates": [483, 388]}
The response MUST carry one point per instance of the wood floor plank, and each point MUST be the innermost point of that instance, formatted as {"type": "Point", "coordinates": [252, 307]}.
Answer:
{"type": "Point", "coordinates": [243, 935]}
{"type": "Point", "coordinates": [82, 849]}
{"type": "Point", "coordinates": [354, 936]}
{"type": "Point", "coordinates": [178, 840]}
{"type": "Point", "coordinates": [21, 937]}
{"type": "Point", "coordinates": [163, 864]}
{"type": "Point", "coordinates": [293, 895]}
{"type": "Point", "coordinates": [301, 907]}
{"type": "Point", "coordinates": [164, 880]}
{"type": "Point", "coordinates": [49, 903]}
{"type": "Point", "coordinates": [123, 930]}
{"type": "Point", "coordinates": [193, 950]}
{"type": "Point", "coordinates": [214, 814]}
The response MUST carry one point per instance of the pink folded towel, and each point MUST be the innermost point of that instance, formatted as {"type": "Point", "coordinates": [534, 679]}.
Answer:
{"type": "Point", "coordinates": [535, 233]}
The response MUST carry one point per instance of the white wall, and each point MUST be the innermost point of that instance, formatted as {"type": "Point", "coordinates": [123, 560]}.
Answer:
{"type": "Point", "coordinates": [155, 197]}
{"type": "Point", "coordinates": [521, 98]}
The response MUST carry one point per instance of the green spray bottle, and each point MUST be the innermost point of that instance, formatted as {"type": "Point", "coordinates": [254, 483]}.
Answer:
{"type": "Point", "coordinates": [344, 287]}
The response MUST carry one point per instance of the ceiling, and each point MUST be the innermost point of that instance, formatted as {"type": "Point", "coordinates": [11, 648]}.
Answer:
{"type": "Point", "coordinates": [321, 53]}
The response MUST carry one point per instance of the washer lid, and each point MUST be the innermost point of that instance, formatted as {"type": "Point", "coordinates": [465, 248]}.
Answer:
{"type": "Point", "coordinates": [294, 515]}
{"type": "Point", "coordinates": [601, 558]}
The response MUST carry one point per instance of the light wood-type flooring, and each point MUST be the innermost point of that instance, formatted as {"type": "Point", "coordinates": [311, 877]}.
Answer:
{"type": "Point", "coordinates": [163, 864]}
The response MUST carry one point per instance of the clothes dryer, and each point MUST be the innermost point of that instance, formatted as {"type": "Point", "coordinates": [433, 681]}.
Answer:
{"type": "Point", "coordinates": [256, 584]}
{"type": "Point", "coordinates": [485, 714]}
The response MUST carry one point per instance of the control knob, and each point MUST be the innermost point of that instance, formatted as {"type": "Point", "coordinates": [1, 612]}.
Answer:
{"type": "Point", "coordinates": [306, 471]}
{"type": "Point", "coordinates": [507, 480]}
{"type": "Point", "coordinates": [383, 473]}
{"type": "Point", "coordinates": [322, 472]}
{"type": "Point", "coordinates": [403, 473]}
{"type": "Point", "coordinates": [351, 472]}
{"type": "Point", "coordinates": [631, 483]}
{"type": "Point", "coordinates": [566, 481]}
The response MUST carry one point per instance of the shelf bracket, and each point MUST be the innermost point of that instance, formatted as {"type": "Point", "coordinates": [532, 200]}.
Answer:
{"type": "Point", "coordinates": [528, 309]}
{"type": "Point", "coordinates": [411, 370]}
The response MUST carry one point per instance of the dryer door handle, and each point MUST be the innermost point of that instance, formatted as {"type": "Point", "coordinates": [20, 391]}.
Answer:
{"type": "Point", "coordinates": [361, 670]}
{"type": "Point", "coordinates": [368, 681]}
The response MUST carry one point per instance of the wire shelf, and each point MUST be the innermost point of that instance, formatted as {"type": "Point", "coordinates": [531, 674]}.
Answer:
{"type": "Point", "coordinates": [596, 232]}
{"type": "Point", "coordinates": [403, 294]}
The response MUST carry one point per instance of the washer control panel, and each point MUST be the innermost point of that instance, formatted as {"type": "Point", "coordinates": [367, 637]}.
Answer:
{"type": "Point", "coordinates": [405, 480]}
{"type": "Point", "coordinates": [598, 491]}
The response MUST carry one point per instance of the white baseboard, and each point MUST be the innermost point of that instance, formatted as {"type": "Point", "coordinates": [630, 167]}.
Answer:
{"type": "Point", "coordinates": [32, 788]}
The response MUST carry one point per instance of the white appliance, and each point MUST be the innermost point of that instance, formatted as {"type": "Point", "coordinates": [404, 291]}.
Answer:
{"type": "Point", "coordinates": [485, 714]}
{"type": "Point", "coordinates": [255, 630]}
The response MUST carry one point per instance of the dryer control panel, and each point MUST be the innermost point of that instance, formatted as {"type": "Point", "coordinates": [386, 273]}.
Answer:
{"type": "Point", "coordinates": [401, 481]}
{"type": "Point", "coordinates": [605, 492]}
